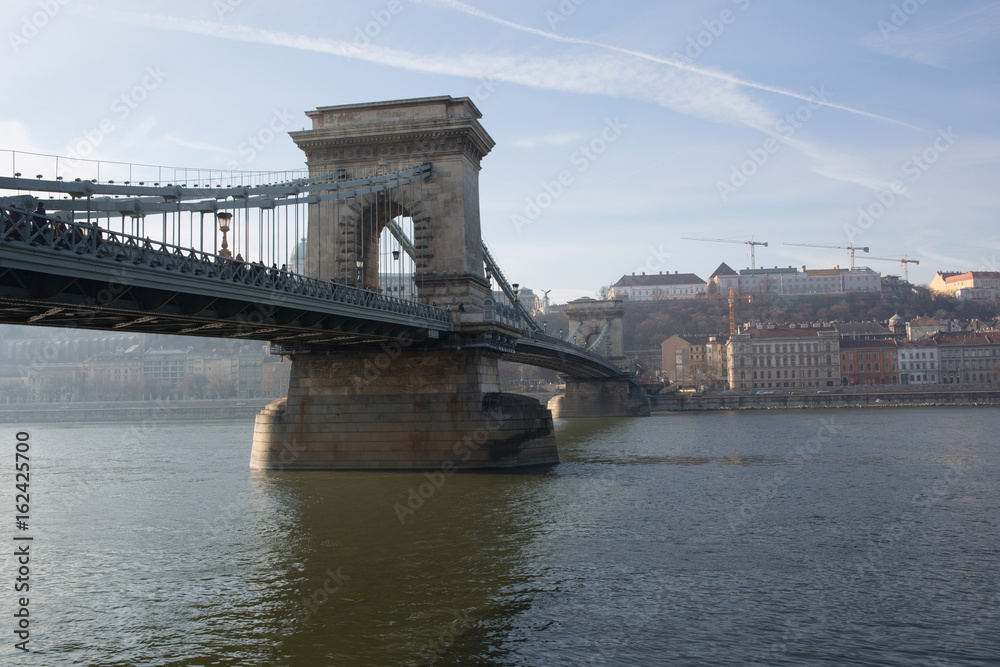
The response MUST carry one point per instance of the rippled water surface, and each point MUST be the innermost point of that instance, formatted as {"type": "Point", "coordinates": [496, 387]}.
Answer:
{"type": "Point", "coordinates": [771, 538]}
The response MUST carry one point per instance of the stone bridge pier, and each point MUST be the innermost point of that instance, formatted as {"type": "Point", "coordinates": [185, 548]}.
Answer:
{"type": "Point", "coordinates": [404, 404]}
{"type": "Point", "coordinates": [395, 409]}
{"type": "Point", "coordinates": [597, 327]}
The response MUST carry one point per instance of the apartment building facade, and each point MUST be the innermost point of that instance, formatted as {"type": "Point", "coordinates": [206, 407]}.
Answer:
{"type": "Point", "coordinates": [786, 357]}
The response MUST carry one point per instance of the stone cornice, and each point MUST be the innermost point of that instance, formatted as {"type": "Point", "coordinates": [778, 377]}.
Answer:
{"type": "Point", "coordinates": [440, 125]}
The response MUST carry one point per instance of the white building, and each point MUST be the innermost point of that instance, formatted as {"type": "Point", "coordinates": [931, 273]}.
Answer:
{"type": "Point", "coordinates": [918, 363]}
{"type": "Point", "coordinates": [655, 286]}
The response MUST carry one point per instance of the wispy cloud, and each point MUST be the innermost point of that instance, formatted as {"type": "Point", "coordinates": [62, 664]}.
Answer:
{"type": "Point", "coordinates": [586, 68]}
{"type": "Point", "coordinates": [553, 139]}
{"type": "Point", "coordinates": [669, 62]}
{"type": "Point", "coordinates": [937, 45]}
{"type": "Point", "coordinates": [587, 73]}
{"type": "Point", "coordinates": [198, 145]}
{"type": "Point", "coordinates": [946, 260]}
{"type": "Point", "coordinates": [15, 135]}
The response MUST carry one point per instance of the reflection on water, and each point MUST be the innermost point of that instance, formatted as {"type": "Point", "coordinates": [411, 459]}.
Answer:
{"type": "Point", "coordinates": [683, 539]}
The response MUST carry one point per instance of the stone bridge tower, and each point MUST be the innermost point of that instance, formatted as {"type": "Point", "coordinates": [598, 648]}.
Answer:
{"type": "Point", "coordinates": [384, 137]}
{"type": "Point", "coordinates": [597, 327]}
{"type": "Point", "coordinates": [403, 404]}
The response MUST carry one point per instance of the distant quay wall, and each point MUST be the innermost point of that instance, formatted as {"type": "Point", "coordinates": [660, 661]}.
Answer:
{"type": "Point", "coordinates": [132, 411]}
{"type": "Point", "coordinates": [882, 399]}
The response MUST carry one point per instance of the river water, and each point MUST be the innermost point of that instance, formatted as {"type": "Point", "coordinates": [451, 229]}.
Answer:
{"type": "Point", "coordinates": [841, 537]}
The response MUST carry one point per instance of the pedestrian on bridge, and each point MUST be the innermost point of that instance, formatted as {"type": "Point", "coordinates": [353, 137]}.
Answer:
{"type": "Point", "coordinates": [40, 226]}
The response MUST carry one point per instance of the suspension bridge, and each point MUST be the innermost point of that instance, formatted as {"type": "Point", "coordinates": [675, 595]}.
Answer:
{"type": "Point", "coordinates": [367, 269]}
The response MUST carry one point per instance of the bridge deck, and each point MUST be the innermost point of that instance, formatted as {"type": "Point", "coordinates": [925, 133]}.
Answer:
{"type": "Point", "coordinates": [84, 277]}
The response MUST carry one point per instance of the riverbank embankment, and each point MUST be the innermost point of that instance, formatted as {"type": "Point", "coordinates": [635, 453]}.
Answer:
{"type": "Point", "coordinates": [132, 411]}
{"type": "Point", "coordinates": [832, 399]}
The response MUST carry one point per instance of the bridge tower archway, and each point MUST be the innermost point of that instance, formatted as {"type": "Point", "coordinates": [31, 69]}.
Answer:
{"type": "Point", "coordinates": [368, 140]}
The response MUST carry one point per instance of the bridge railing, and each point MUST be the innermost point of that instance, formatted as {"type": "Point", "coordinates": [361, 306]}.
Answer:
{"type": "Point", "coordinates": [557, 343]}
{"type": "Point", "coordinates": [501, 313]}
{"type": "Point", "coordinates": [18, 226]}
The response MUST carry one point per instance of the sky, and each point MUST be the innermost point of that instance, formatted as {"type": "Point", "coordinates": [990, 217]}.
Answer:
{"type": "Point", "coordinates": [864, 122]}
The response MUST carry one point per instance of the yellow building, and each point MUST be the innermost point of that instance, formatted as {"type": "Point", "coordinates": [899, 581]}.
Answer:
{"type": "Point", "coordinates": [968, 285]}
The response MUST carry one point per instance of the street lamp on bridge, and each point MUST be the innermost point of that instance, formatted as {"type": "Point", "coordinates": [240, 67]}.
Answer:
{"type": "Point", "coordinates": [224, 219]}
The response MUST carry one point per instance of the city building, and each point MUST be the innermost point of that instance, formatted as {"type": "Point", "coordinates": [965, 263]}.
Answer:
{"type": "Point", "coordinates": [868, 362]}
{"type": "Point", "coordinates": [217, 367]}
{"type": "Point", "coordinates": [251, 372]}
{"type": "Point", "coordinates": [705, 363]}
{"type": "Point", "coordinates": [715, 280]}
{"type": "Point", "coordinates": [656, 286]}
{"type": "Point", "coordinates": [696, 360]}
{"type": "Point", "coordinates": [918, 362]}
{"type": "Point", "coordinates": [897, 325]}
{"type": "Point", "coordinates": [109, 375]}
{"type": "Point", "coordinates": [895, 287]}
{"type": "Point", "coordinates": [56, 382]}
{"type": "Point", "coordinates": [968, 358]}
{"type": "Point", "coordinates": [861, 331]}
{"type": "Point", "coordinates": [164, 365]}
{"type": "Point", "coordinates": [967, 285]}
{"type": "Point", "coordinates": [785, 357]}
{"type": "Point", "coordinates": [792, 281]}
{"type": "Point", "coordinates": [525, 296]}
{"type": "Point", "coordinates": [672, 357]}
{"type": "Point", "coordinates": [399, 285]}
{"type": "Point", "coordinates": [923, 326]}
{"type": "Point", "coordinates": [275, 371]}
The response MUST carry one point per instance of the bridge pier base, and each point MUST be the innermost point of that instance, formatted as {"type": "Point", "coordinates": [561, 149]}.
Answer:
{"type": "Point", "coordinates": [603, 397]}
{"type": "Point", "coordinates": [390, 408]}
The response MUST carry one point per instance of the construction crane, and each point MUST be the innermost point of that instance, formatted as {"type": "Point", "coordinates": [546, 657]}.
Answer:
{"type": "Point", "coordinates": [851, 248]}
{"type": "Point", "coordinates": [732, 306]}
{"type": "Point", "coordinates": [905, 261]}
{"type": "Point", "coordinates": [751, 243]}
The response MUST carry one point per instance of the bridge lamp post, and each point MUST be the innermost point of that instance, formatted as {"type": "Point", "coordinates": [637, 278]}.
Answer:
{"type": "Point", "coordinates": [224, 219]}
{"type": "Point", "coordinates": [399, 274]}
{"type": "Point", "coordinates": [360, 263]}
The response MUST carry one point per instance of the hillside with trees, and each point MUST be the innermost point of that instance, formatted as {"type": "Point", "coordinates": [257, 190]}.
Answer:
{"type": "Point", "coordinates": [648, 323]}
